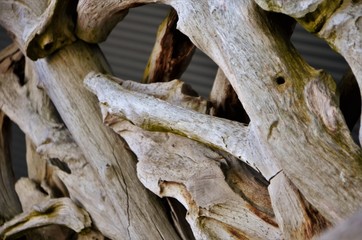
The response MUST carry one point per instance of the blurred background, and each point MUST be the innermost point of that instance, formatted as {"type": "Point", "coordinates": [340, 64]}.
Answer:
{"type": "Point", "coordinates": [129, 45]}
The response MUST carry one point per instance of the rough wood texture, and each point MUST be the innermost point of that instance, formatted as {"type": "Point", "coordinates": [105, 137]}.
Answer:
{"type": "Point", "coordinates": [9, 202]}
{"type": "Point", "coordinates": [174, 166]}
{"type": "Point", "coordinates": [220, 133]}
{"type": "Point", "coordinates": [297, 143]}
{"type": "Point", "coordinates": [171, 53]}
{"type": "Point", "coordinates": [338, 22]}
{"type": "Point", "coordinates": [104, 150]}
{"type": "Point", "coordinates": [260, 66]}
{"type": "Point", "coordinates": [39, 27]}
{"type": "Point", "coordinates": [119, 103]}
{"type": "Point", "coordinates": [61, 211]}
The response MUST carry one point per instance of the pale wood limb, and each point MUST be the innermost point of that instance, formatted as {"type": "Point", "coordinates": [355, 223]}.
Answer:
{"type": "Point", "coordinates": [41, 27]}
{"type": "Point", "coordinates": [338, 22]}
{"type": "Point", "coordinates": [9, 201]}
{"type": "Point", "coordinates": [88, 25]}
{"type": "Point", "coordinates": [164, 149]}
{"type": "Point", "coordinates": [171, 53]}
{"type": "Point", "coordinates": [81, 181]}
{"type": "Point", "coordinates": [29, 102]}
{"type": "Point", "coordinates": [61, 211]}
{"type": "Point", "coordinates": [260, 66]}
{"type": "Point", "coordinates": [53, 145]}
{"type": "Point", "coordinates": [134, 207]}
{"type": "Point", "coordinates": [30, 194]}
{"type": "Point", "coordinates": [153, 114]}
{"type": "Point", "coordinates": [296, 218]}
{"type": "Point", "coordinates": [288, 205]}
{"type": "Point", "coordinates": [175, 92]}
{"type": "Point", "coordinates": [220, 205]}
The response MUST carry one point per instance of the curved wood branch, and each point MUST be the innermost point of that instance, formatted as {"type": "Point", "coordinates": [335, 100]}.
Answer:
{"type": "Point", "coordinates": [39, 27]}
{"type": "Point", "coordinates": [286, 124]}
{"type": "Point", "coordinates": [174, 166]}
{"type": "Point", "coordinates": [295, 129]}
{"type": "Point", "coordinates": [134, 207]}
{"type": "Point", "coordinates": [153, 114]}
{"type": "Point", "coordinates": [61, 211]}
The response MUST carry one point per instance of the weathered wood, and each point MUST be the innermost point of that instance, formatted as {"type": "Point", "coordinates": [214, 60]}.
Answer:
{"type": "Point", "coordinates": [9, 202]}
{"type": "Point", "coordinates": [104, 150]}
{"type": "Point", "coordinates": [157, 115]}
{"type": "Point", "coordinates": [118, 103]}
{"type": "Point", "coordinates": [337, 22]}
{"type": "Point", "coordinates": [226, 101]}
{"type": "Point", "coordinates": [61, 211]}
{"type": "Point", "coordinates": [295, 113]}
{"type": "Point", "coordinates": [53, 142]}
{"type": "Point", "coordinates": [297, 139]}
{"type": "Point", "coordinates": [93, 27]}
{"type": "Point", "coordinates": [173, 166]}
{"type": "Point", "coordinates": [171, 53]}
{"type": "Point", "coordinates": [296, 217]}
{"type": "Point", "coordinates": [30, 195]}
{"type": "Point", "coordinates": [39, 27]}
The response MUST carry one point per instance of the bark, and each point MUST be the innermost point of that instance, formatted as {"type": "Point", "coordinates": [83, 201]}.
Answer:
{"type": "Point", "coordinates": [171, 53]}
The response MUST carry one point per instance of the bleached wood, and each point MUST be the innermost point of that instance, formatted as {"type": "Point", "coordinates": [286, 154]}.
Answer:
{"type": "Point", "coordinates": [175, 92]}
{"type": "Point", "coordinates": [292, 212]}
{"type": "Point", "coordinates": [153, 114]}
{"type": "Point", "coordinates": [133, 207]}
{"type": "Point", "coordinates": [9, 202]}
{"type": "Point", "coordinates": [41, 26]}
{"type": "Point", "coordinates": [60, 211]}
{"type": "Point", "coordinates": [338, 22]}
{"type": "Point", "coordinates": [54, 141]}
{"type": "Point", "coordinates": [173, 166]}
{"type": "Point", "coordinates": [285, 124]}
{"type": "Point", "coordinates": [30, 194]}
{"type": "Point", "coordinates": [117, 103]}
{"type": "Point", "coordinates": [260, 65]}
{"type": "Point", "coordinates": [296, 125]}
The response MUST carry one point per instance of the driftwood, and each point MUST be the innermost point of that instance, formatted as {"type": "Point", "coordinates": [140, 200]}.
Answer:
{"type": "Point", "coordinates": [284, 165]}
{"type": "Point", "coordinates": [60, 211]}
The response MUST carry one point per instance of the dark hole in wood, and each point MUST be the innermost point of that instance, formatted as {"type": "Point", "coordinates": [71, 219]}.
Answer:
{"type": "Point", "coordinates": [280, 80]}
{"type": "Point", "coordinates": [48, 46]}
